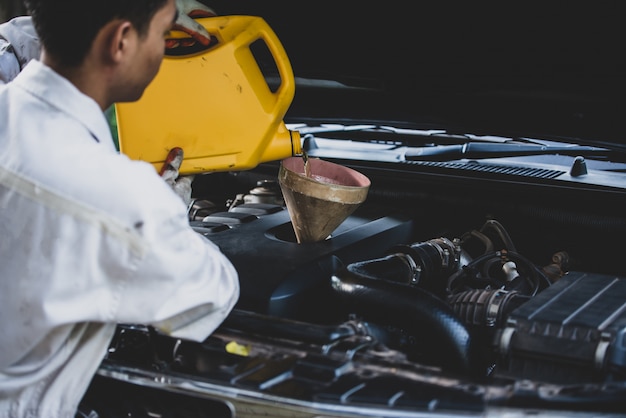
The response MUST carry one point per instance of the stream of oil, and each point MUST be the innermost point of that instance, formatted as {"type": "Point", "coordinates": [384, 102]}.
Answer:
{"type": "Point", "coordinates": [307, 167]}
{"type": "Point", "coordinates": [307, 172]}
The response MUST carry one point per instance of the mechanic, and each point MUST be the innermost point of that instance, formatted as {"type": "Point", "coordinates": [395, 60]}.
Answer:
{"type": "Point", "coordinates": [90, 238]}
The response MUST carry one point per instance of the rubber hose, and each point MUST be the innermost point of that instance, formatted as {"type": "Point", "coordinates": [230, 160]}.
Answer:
{"type": "Point", "coordinates": [415, 310]}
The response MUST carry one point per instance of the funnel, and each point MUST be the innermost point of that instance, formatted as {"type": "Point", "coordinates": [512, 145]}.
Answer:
{"type": "Point", "coordinates": [320, 201]}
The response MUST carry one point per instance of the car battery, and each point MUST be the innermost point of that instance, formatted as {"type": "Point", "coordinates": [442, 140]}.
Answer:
{"type": "Point", "coordinates": [572, 331]}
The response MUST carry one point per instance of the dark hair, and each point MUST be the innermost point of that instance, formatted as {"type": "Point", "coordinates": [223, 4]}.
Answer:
{"type": "Point", "coordinates": [67, 28]}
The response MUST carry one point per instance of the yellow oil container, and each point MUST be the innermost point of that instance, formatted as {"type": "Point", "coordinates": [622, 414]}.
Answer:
{"type": "Point", "coordinates": [215, 104]}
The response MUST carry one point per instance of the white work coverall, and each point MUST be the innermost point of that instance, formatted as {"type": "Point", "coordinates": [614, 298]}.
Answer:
{"type": "Point", "coordinates": [88, 239]}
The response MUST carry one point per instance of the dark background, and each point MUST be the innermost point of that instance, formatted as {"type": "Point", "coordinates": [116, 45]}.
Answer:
{"type": "Point", "coordinates": [556, 66]}
{"type": "Point", "coordinates": [560, 64]}
{"type": "Point", "coordinates": [11, 8]}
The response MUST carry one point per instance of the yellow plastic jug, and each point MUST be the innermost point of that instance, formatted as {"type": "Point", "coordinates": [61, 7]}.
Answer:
{"type": "Point", "coordinates": [215, 104]}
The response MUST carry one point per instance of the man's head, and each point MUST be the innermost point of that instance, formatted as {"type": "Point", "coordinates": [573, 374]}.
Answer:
{"type": "Point", "coordinates": [67, 28]}
{"type": "Point", "coordinates": [110, 49]}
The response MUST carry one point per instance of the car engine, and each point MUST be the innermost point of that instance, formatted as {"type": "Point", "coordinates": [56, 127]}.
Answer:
{"type": "Point", "coordinates": [428, 292]}
{"type": "Point", "coordinates": [462, 290]}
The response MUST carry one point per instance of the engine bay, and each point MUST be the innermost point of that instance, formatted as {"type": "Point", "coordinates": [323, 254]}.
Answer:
{"type": "Point", "coordinates": [429, 293]}
{"type": "Point", "coordinates": [462, 290]}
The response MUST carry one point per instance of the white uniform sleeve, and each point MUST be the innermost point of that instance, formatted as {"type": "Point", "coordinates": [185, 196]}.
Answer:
{"type": "Point", "coordinates": [19, 44]}
{"type": "Point", "coordinates": [9, 66]}
{"type": "Point", "coordinates": [183, 285]}
{"type": "Point", "coordinates": [206, 286]}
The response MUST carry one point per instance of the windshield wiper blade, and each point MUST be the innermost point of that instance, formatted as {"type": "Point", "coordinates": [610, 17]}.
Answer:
{"type": "Point", "coordinates": [330, 128]}
{"type": "Point", "coordinates": [474, 150]}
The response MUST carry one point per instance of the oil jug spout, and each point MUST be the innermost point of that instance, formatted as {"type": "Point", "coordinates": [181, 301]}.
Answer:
{"type": "Point", "coordinates": [286, 143]}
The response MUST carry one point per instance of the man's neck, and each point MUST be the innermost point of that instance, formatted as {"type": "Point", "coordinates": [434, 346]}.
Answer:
{"type": "Point", "coordinates": [87, 78]}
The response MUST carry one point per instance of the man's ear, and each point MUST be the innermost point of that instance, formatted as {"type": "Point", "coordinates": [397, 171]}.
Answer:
{"type": "Point", "coordinates": [120, 39]}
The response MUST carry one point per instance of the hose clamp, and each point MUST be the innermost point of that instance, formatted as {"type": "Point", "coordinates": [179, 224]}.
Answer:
{"type": "Point", "coordinates": [416, 270]}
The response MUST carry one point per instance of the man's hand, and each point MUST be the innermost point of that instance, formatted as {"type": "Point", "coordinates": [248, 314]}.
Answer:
{"type": "Point", "coordinates": [169, 172]}
{"type": "Point", "coordinates": [187, 11]}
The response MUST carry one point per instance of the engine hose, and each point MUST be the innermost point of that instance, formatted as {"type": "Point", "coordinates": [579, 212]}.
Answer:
{"type": "Point", "coordinates": [537, 278]}
{"type": "Point", "coordinates": [502, 233]}
{"type": "Point", "coordinates": [442, 335]}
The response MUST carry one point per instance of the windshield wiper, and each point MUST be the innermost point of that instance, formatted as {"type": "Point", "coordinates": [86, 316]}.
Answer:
{"type": "Point", "coordinates": [474, 150]}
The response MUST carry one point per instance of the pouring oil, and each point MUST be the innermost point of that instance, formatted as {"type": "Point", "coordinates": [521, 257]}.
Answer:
{"type": "Point", "coordinates": [317, 177]}
{"type": "Point", "coordinates": [307, 167]}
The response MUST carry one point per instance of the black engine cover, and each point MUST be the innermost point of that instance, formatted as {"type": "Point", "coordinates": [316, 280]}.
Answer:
{"type": "Point", "coordinates": [573, 331]}
{"type": "Point", "coordinates": [280, 277]}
